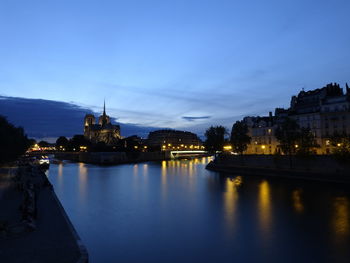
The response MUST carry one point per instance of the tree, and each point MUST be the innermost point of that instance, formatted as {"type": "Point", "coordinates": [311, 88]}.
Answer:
{"type": "Point", "coordinates": [239, 137]}
{"type": "Point", "coordinates": [341, 147]}
{"type": "Point", "coordinates": [215, 138]}
{"type": "Point", "coordinates": [62, 142]}
{"type": "Point", "coordinates": [43, 144]}
{"type": "Point", "coordinates": [288, 134]}
{"type": "Point", "coordinates": [306, 142]}
{"type": "Point", "coordinates": [77, 141]}
{"type": "Point", "coordinates": [13, 141]}
{"type": "Point", "coordinates": [31, 142]}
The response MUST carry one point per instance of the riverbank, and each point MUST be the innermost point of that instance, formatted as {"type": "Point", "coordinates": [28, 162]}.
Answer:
{"type": "Point", "coordinates": [112, 158]}
{"type": "Point", "coordinates": [320, 168]}
{"type": "Point", "coordinates": [34, 226]}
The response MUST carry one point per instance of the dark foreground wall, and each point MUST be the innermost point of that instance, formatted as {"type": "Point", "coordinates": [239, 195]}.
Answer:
{"type": "Point", "coordinates": [319, 167]}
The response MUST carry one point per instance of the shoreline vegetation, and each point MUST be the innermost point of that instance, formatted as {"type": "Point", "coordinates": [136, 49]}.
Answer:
{"type": "Point", "coordinates": [316, 167]}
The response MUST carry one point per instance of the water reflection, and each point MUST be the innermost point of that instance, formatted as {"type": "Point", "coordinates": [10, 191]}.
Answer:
{"type": "Point", "coordinates": [164, 170]}
{"type": "Point", "coordinates": [184, 206]}
{"type": "Point", "coordinates": [164, 180]}
{"type": "Point", "coordinates": [264, 206]}
{"type": "Point", "coordinates": [230, 201]}
{"type": "Point", "coordinates": [135, 169]}
{"type": "Point", "coordinates": [145, 169]}
{"type": "Point", "coordinates": [83, 172]}
{"type": "Point", "coordinates": [297, 201]}
{"type": "Point", "coordinates": [145, 173]}
{"type": "Point", "coordinates": [60, 174]}
{"type": "Point", "coordinates": [341, 217]}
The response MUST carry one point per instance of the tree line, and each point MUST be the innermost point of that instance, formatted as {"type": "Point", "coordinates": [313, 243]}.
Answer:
{"type": "Point", "coordinates": [13, 141]}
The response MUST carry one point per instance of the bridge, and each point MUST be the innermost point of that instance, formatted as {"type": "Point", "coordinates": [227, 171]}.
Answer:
{"type": "Point", "coordinates": [191, 153]}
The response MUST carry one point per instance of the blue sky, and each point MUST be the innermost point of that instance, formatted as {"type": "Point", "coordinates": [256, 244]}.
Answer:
{"type": "Point", "coordinates": [160, 63]}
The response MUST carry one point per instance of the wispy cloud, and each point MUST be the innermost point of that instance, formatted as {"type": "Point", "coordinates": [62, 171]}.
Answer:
{"type": "Point", "coordinates": [191, 118]}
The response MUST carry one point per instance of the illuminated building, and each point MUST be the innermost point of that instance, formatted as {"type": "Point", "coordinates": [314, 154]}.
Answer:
{"type": "Point", "coordinates": [261, 130]}
{"type": "Point", "coordinates": [325, 111]}
{"type": "Point", "coordinates": [103, 131]}
{"type": "Point", "coordinates": [173, 140]}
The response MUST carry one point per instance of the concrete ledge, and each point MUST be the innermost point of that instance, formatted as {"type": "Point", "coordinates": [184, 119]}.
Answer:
{"type": "Point", "coordinates": [84, 258]}
{"type": "Point", "coordinates": [277, 173]}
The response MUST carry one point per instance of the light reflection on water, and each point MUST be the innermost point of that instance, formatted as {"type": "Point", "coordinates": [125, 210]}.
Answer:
{"type": "Point", "coordinates": [83, 173]}
{"type": "Point", "coordinates": [297, 201]}
{"type": "Point", "coordinates": [160, 208]}
{"type": "Point", "coordinates": [341, 217]}
{"type": "Point", "coordinates": [264, 205]}
{"type": "Point", "coordinates": [230, 201]}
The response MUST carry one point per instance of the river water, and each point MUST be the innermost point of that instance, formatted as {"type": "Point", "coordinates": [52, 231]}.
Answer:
{"type": "Point", "coordinates": [176, 211]}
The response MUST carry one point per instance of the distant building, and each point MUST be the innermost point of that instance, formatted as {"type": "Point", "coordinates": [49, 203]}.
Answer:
{"type": "Point", "coordinates": [103, 131]}
{"type": "Point", "coordinates": [173, 140]}
{"type": "Point", "coordinates": [325, 111]}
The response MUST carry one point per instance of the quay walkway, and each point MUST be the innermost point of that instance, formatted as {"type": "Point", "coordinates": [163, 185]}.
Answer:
{"type": "Point", "coordinates": [33, 225]}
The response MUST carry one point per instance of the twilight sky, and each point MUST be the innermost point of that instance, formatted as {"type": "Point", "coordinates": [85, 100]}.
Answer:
{"type": "Point", "coordinates": [179, 64]}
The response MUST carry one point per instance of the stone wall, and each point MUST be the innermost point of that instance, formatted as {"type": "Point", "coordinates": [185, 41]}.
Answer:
{"type": "Point", "coordinates": [315, 167]}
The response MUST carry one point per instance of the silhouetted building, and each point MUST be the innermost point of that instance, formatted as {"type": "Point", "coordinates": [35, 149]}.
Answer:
{"type": "Point", "coordinates": [326, 112]}
{"type": "Point", "coordinates": [173, 140]}
{"type": "Point", "coordinates": [103, 131]}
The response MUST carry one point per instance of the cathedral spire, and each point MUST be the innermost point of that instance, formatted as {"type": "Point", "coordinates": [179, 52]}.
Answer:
{"type": "Point", "coordinates": [104, 107]}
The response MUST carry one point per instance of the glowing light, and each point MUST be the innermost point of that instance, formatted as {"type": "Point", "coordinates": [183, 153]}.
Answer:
{"type": "Point", "coordinates": [83, 148]}
{"type": "Point", "coordinates": [227, 147]}
{"type": "Point", "coordinates": [263, 146]}
{"type": "Point", "coordinates": [339, 144]}
{"type": "Point", "coordinates": [296, 146]}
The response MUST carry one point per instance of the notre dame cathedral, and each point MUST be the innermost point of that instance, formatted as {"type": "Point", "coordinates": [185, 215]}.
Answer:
{"type": "Point", "coordinates": [103, 131]}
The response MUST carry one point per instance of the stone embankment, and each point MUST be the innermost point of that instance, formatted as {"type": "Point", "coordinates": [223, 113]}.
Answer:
{"type": "Point", "coordinates": [33, 225]}
{"type": "Point", "coordinates": [321, 168]}
{"type": "Point", "coordinates": [109, 158]}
